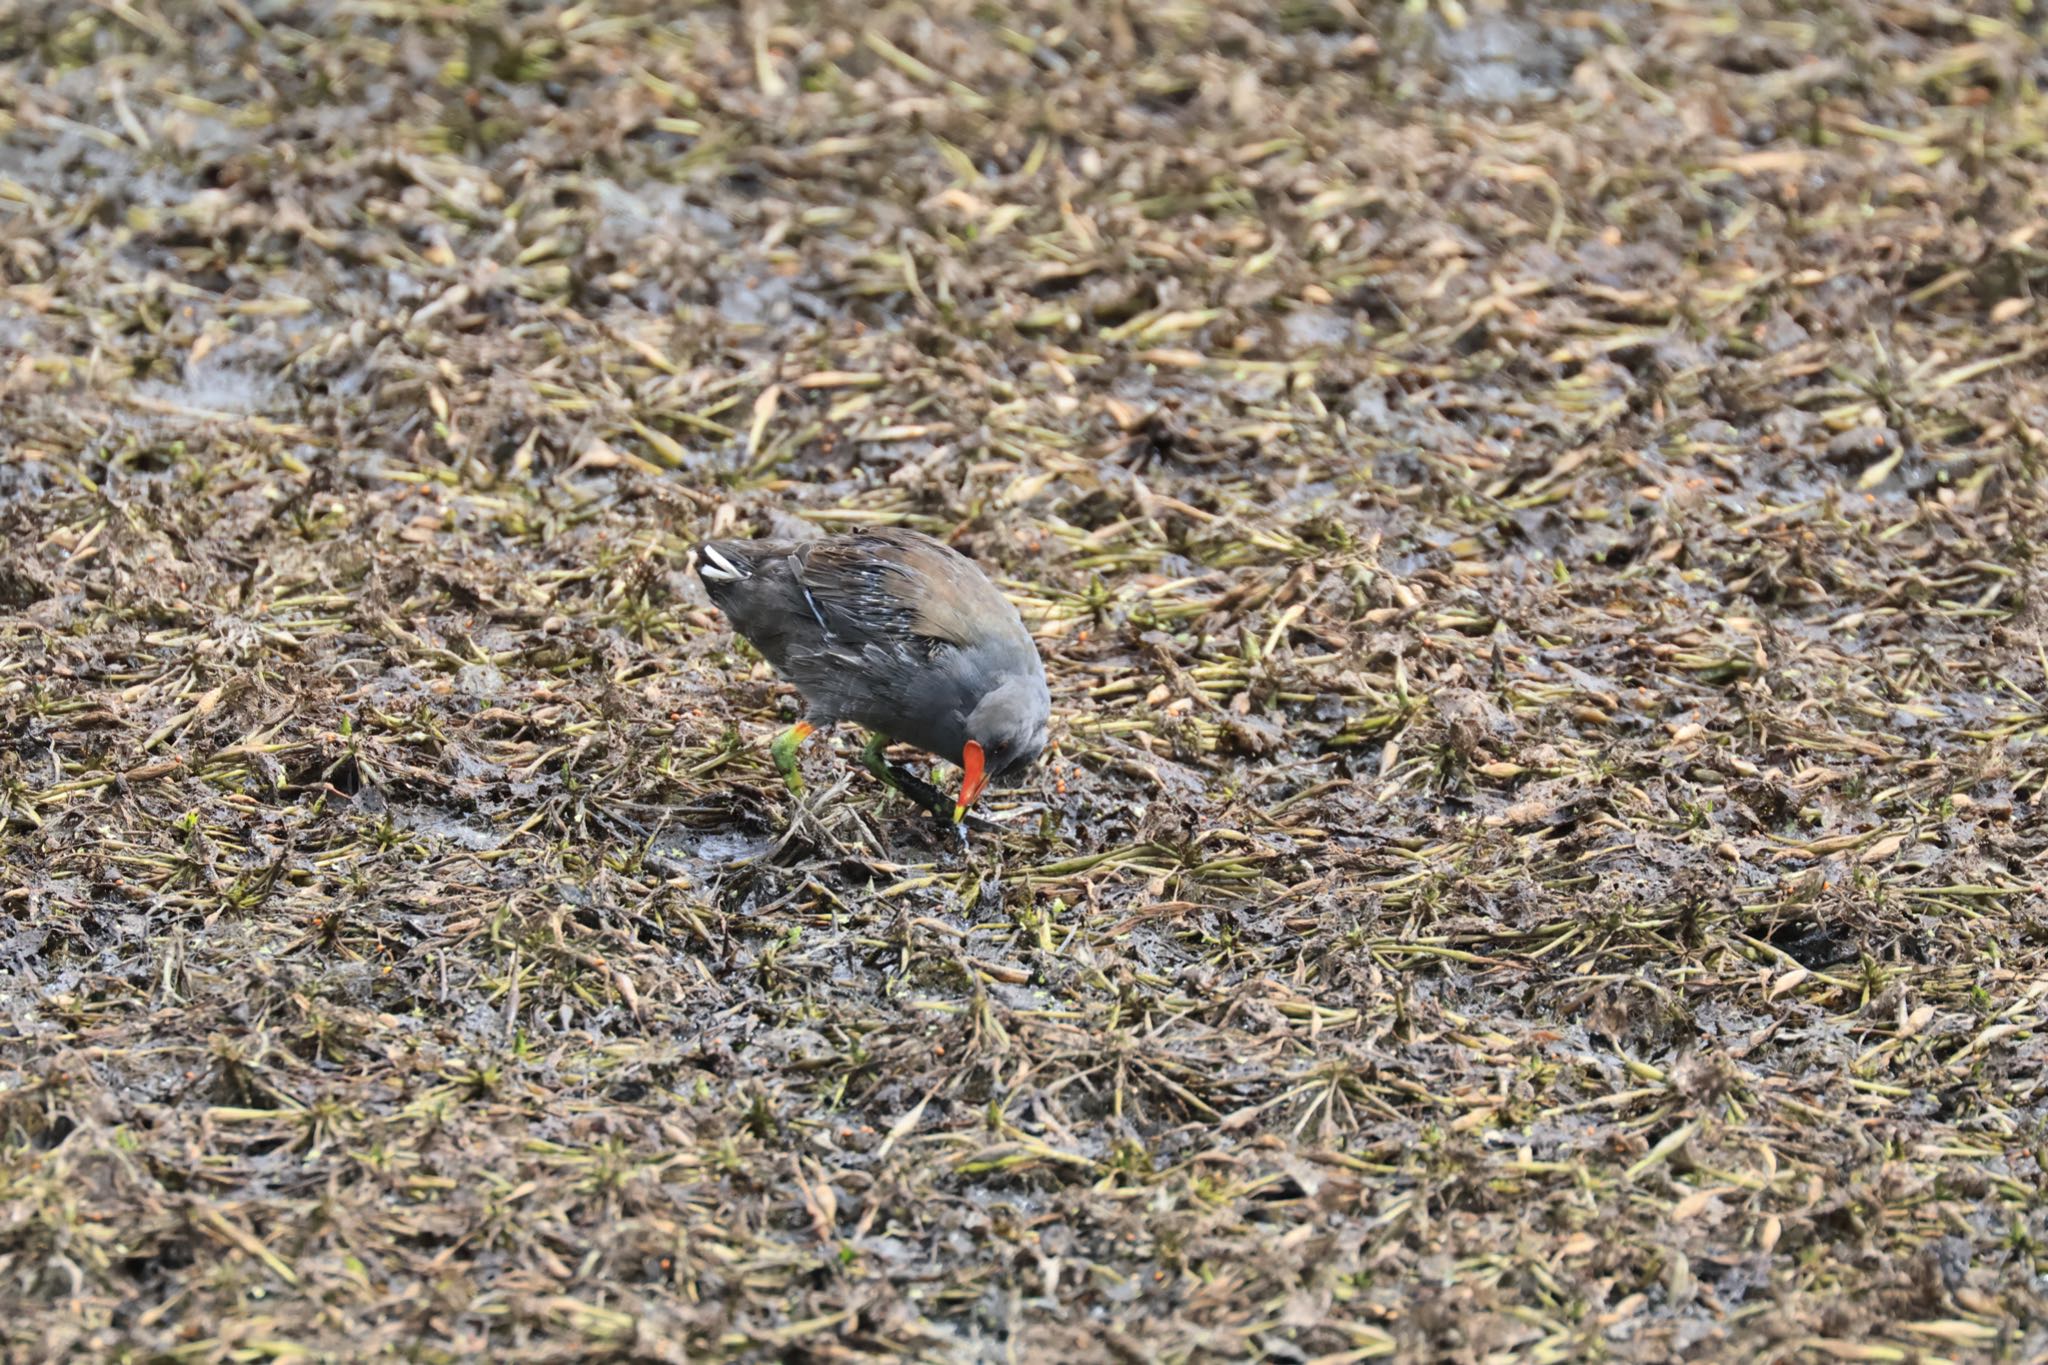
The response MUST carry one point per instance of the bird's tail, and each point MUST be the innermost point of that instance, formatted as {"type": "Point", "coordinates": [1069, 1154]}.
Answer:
{"type": "Point", "coordinates": [721, 561]}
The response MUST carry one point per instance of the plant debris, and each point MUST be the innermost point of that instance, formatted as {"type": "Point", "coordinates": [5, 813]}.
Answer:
{"type": "Point", "coordinates": [1532, 516]}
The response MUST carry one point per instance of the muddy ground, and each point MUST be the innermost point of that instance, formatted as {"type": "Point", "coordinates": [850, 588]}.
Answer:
{"type": "Point", "coordinates": [1533, 517]}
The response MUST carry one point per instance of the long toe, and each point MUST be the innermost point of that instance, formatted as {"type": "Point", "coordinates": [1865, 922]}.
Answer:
{"type": "Point", "coordinates": [922, 792]}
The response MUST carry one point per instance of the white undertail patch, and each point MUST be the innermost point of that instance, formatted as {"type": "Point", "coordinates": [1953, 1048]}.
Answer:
{"type": "Point", "coordinates": [717, 566]}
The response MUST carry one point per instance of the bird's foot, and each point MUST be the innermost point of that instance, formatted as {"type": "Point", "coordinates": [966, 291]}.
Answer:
{"type": "Point", "coordinates": [894, 775]}
{"type": "Point", "coordinates": [783, 751]}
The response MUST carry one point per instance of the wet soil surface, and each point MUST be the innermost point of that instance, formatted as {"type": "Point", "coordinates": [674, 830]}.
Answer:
{"type": "Point", "coordinates": [1532, 516]}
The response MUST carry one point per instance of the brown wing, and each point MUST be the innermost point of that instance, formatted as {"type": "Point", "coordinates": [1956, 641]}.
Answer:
{"type": "Point", "coordinates": [898, 589]}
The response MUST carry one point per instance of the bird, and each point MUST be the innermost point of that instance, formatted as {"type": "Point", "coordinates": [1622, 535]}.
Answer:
{"type": "Point", "coordinates": [898, 633]}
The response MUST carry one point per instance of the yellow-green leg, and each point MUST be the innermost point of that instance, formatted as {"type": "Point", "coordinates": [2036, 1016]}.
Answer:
{"type": "Point", "coordinates": [783, 751]}
{"type": "Point", "coordinates": [875, 759]}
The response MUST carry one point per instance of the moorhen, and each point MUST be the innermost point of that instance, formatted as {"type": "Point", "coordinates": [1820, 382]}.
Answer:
{"type": "Point", "coordinates": [898, 633]}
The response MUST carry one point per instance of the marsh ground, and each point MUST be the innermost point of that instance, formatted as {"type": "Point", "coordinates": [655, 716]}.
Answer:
{"type": "Point", "coordinates": [1532, 516]}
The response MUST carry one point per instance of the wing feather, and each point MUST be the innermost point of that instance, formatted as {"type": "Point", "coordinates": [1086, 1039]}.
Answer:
{"type": "Point", "coordinates": [899, 589]}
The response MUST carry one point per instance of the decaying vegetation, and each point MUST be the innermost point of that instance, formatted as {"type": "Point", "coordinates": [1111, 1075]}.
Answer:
{"type": "Point", "coordinates": [1533, 519]}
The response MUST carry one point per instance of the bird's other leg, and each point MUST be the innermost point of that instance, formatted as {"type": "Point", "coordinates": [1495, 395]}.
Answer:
{"type": "Point", "coordinates": [783, 751]}
{"type": "Point", "coordinates": [875, 759]}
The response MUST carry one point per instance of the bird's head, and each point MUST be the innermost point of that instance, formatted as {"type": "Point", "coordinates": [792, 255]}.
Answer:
{"type": "Point", "coordinates": [1005, 734]}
